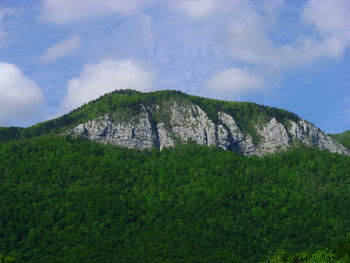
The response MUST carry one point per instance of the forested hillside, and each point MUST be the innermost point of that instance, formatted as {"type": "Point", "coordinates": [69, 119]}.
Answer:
{"type": "Point", "coordinates": [72, 200]}
{"type": "Point", "coordinates": [343, 138]}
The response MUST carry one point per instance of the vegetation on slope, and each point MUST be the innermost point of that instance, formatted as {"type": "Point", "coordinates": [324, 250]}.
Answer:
{"type": "Point", "coordinates": [72, 200]}
{"type": "Point", "coordinates": [127, 103]}
{"type": "Point", "coordinates": [327, 255]}
{"type": "Point", "coordinates": [343, 138]}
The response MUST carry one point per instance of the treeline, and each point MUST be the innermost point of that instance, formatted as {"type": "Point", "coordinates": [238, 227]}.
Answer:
{"type": "Point", "coordinates": [72, 200]}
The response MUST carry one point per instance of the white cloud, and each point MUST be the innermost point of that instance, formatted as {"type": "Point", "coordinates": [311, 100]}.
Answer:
{"type": "Point", "coordinates": [329, 16]}
{"type": "Point", "coordinates": [20, 97]}
{"type": "Point", "coordinates": [104, 77]}
{"type": "Point", "coordinates": [250, 39]}
{"type": "Point", "coordinates": [197, 9]}
{"type": "Point", "coordinates": [249, 36]}
{"type": "Point", "coordinates": [331, 19]}
{"type": "Point", "coordinates": [62, 48]}
{"type": "Point", "coordinates": [233, 83]}
{"type": "Point", "coordinates": [64, 11]}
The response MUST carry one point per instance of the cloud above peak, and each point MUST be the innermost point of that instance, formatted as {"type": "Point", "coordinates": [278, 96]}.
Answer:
{"type": "Point", "coordinates": [106, 76]}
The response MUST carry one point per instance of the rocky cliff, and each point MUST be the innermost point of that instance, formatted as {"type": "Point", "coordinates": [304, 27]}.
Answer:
{"type": "Point", "coordinates": [162, 125]}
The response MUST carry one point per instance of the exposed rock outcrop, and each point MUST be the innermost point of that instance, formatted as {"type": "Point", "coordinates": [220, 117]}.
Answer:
{"type": "Point", "coordinates": [137, 133]}
{"type": "Point", "coordinates": [190, 123]}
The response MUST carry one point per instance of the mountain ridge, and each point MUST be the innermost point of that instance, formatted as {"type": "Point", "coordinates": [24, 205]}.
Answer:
{"type": "Point", "coordinates": [162, 119]}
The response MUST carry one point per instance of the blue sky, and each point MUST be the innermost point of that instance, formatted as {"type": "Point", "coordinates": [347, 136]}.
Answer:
{"type": "Point", "coordinates": [58, 54]}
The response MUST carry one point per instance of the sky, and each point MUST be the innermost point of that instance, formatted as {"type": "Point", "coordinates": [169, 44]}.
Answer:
{"type": "Point", "coordinates": [56, 55]}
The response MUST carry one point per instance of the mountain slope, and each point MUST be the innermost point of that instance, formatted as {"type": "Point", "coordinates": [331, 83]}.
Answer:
{"type": "Point", "coordinates": [165, 118]}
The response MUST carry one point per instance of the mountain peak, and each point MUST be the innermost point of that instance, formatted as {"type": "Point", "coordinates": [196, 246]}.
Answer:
{"type": "Point", "coordinates": [165, 118]}
{"type": "Point", "coordinates": [161, 119]}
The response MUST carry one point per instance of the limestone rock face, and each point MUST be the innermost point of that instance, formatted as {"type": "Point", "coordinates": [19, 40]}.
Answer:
{"type": "Point", "coordinates": [190, 123]}
{"type": "Point", "coordinates": [274, 136]}
{"type": "Point", "coordinates": [134, 134]}
{"type": "Point", "coordinates": [166, 139]}
{"type": "Point", "coordinates": [235, 139]}
{"type": "Point", "coordinates": [308, 134]}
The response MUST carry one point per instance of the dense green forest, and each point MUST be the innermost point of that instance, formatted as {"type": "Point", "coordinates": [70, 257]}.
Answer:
{"type": "Point", "coordinates": [72, 200]}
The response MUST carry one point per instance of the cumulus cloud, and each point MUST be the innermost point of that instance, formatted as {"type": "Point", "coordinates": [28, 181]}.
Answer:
{"type": "Point", "coordinates": [20, 97]}
{"type": "Point", "coordinates": [328, 16]}
{"type": "Point", "coordinates": [331, 19]}
{"type": "Point", "coordinates": [106, 76]}
{"type": "Point", "coordinates": [248, 37]}
{"type": "Point", "coordinates": [324, 32]}
{"type": "Point", "coordinates": [61, 49]}
{"type": "Point", "coordinates": [233, 83]}
{"type": "Point", "coordinates": [64, 11]}
{"type": "Point", "coordinates": [250, 41]}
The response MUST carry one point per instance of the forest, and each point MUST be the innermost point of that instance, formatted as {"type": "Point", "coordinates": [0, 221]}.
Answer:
{"type": "Point", "coordinates": [67, 199]}
{"type": "Point", "coordinates": [343, 138]}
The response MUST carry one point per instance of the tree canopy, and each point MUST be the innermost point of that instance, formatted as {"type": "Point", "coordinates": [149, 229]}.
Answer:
{"type": "Point", "coordinates": [72, 200]}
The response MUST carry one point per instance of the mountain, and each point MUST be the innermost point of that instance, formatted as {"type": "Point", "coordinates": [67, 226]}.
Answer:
{"type": "Point", "coordinates": [163, 119]}
{"type": "Point", "coordinates": [68, 194]}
